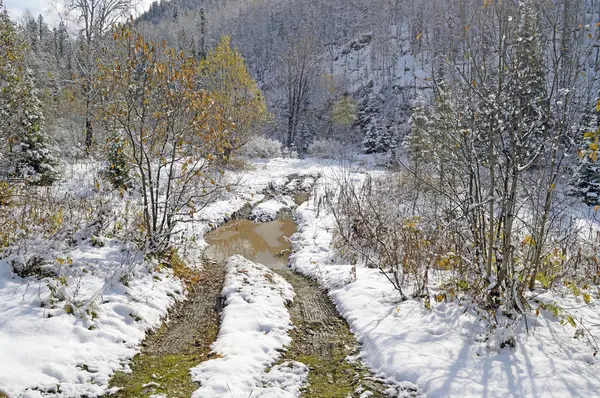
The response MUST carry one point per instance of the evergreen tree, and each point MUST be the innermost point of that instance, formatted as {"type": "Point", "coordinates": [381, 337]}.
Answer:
{"type": "Point", "coordinates": [525, 107]}
{"type": "Point", "coordinates": [417, 141]}
{"type": "Point", "coordinates": [31, 156]}
{"type": "Point", "coordinates": [379, 138]}
{"type": "Point", "coordinates": [61, 38]}
{"type": "Point", "coordinates": [117, 171]}
{"type": "Point", "coordinates": [432, 132]}
{"type": "Point", "coordinates": [306, 136]}
{"type": "Point", "coordinates": [202, 34]}
{"type": "Point", "coordinates": [586, 180]}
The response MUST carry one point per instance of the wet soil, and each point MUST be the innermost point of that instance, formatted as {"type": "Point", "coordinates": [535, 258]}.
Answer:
{"type": "Point", "coordinates": [265, 243]}
{"type": "Point", "coordinates": [167, 355]}
{"type": "Point", "coordinates": [322, 340]}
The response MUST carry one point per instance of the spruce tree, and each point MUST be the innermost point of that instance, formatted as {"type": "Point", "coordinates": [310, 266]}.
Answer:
{"type": "Point", "coordinates": [525, 107]}
{"type": "Point", "coordinates": [31, 157]}
{"type": "Point", "coordinates": [586, 180]}
{"type": "Point", "coordinates": [379, 138]}
{"type": "Point", "coordinates": [418, 140]}
{"type": "Point", "coordinates": [306, 136]}
{"type": "Point", "coordinates": [370, 142]}
{"type": "Point", "coordinates": [117, 170]}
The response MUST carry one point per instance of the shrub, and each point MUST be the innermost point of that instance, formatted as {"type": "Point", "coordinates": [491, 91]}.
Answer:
{"type": "Point", "coordinates": [326, 149]}
{"type": "Point", "coordinates": [117, 171]}
{"type": "Point", "coordinates": [260, 147]}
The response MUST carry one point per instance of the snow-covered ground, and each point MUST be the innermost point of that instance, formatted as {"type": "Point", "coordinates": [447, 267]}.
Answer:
{"type": "Point", "coordinates": [253, 332]}
{"type": "Point", "coordinates": [47, 348]}
{"type": "Point", "coordinates": [65, 335]}
{"type": "Point", "coordinates": [444, 351]}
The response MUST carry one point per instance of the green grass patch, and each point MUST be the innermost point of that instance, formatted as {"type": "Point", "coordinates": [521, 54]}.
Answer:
{"type": "Point", "coordinates": [329, 378]}
{"type": "Point", "coordinates": [171, 372]}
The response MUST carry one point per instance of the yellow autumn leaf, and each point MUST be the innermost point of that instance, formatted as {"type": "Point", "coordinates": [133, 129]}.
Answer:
{"type": "Point", "coordinates": [587, 298]}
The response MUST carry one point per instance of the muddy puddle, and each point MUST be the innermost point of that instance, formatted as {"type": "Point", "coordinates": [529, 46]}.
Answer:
{"type": "Point", "coordinates": [264, 243]}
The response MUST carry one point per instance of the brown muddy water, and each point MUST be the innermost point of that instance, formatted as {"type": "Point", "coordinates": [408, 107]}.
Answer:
{"type": "Point", "coordinates": [264, 243]}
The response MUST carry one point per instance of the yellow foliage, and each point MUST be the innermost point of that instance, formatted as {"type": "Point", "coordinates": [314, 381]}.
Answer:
{"type": "Point", "coordinates": [528, 241]}
{"type": "Point", "coordinates": [224, 75]}
{"type": "Point", "coordinates": [344, 111]}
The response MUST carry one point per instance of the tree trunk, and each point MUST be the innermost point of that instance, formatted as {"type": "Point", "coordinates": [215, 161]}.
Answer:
{"type": "Point", "coordinates": [88, 133]}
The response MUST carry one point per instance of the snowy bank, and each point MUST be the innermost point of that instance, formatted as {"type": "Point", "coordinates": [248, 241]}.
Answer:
{"type": "Point", "coordinates": [253, 332]}
{"type": "Point", "coordinates": [444, 350]}
{"type": "Point", "coordinates": [66, 337]}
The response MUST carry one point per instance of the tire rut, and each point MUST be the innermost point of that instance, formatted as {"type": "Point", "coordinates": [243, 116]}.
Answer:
{"type": "Point", "coordinates": [322, 340]}
{"type": "Point", "coordinates": [180, 344]}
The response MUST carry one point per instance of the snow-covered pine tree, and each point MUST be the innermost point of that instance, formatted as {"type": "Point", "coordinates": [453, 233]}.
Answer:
{"type": "Point", "coordinates": [370, 142]}
{"type": "Point", "coordinates": [306, 136]}
{"type": "Point", "coordinates": [387, 139]}
{"type": "Point", "coordinates": [586, 180]}
{"type": "Point", "coordinates": [434, 129]}
{"type": "Point", "coordinates": [202, 34]}
{"type": "Point", "coordinates": [525, 109]}
{"type": "Point", "coordinates": [378, 138]}
{"type": "Point", "coordinates": [417, 141]}
{"type": "Point", "coordinates": [31, 157]}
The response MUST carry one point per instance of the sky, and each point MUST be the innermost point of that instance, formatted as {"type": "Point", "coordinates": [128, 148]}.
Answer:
{"type": "Point", "coordinates": [45, 7]}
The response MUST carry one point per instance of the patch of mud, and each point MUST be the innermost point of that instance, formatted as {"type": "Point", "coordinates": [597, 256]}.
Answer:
{"type": "Point", "coordinates": [168, 354]}
{"type": "Point", "coordinates": [323, 341]}
{"type": "Point", "coordinates": [289, 193]}
{"type": "Point", "coordinates": [190, 324]}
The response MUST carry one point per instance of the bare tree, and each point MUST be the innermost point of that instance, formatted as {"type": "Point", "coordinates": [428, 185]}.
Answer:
{"type": "Point", "coordinates": [299, 72]}
{"type": "Point", "coordinates": [93, 19]}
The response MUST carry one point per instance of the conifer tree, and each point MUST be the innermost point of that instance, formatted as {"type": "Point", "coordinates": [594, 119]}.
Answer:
{"type": "Point", "coordinates": [586, 180]}
{"type": "Point", "coordinates": [417, 141]}
{"type": "Point", "coordinates": [379, 138]}
{"type": "Point", "coordinates": [31, 156]}
{"type": "Point", "coordinates": [118, 167]}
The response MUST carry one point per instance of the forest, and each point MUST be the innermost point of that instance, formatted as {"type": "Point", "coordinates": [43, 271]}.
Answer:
{"type": "Point", "coordinates": [300, 198]}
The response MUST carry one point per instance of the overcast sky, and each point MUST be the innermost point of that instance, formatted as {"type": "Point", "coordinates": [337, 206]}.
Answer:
{"type": "Point", "coordinates": [44, 7]}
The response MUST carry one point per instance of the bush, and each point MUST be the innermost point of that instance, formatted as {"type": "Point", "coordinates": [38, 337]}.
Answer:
{"type": "Point", "coordinates": [117, 170]}
{"type": "Point", "coordinates": [260, 147]}
{"type": "Point", "coordinates": [326, 149]}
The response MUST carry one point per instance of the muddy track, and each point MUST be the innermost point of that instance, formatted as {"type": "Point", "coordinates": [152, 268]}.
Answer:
{"type": "Point", "coordinates": [322, 340]}
{"type": "Point", "coordinates": [167, 355]}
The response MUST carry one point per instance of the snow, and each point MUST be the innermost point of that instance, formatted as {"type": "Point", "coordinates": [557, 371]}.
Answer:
{"type": "Point", "coordinates": [45, 347]}
{"type": "Point", "coordinates": [267, 210]}
{"type": "Point", "coordinates": [443, 351]}
{"type": "Point", "coordinates": [115, 297]}
{"type": "Point", "coordinates": [253, 332]}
